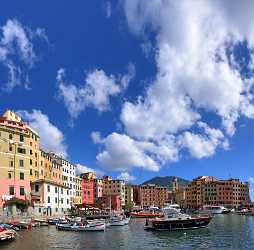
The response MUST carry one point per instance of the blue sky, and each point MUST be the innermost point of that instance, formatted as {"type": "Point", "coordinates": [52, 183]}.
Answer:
{"type": "Point", "coordinates": [134, 88]}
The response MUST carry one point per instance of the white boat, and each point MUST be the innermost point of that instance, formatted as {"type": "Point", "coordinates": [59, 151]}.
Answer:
{"type": "Point", "coordinates": [80, 227]}
{"type": "Point", "coordinates": [119, 221]}
{"type": "Point", "coordinates": [212, 209]}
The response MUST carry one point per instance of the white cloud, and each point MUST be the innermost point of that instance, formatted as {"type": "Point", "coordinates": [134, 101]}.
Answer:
{"type": "Point", "coordinates": [198, 76]}
{"type": "Point", "coordinates": [16, 42]}
{"type": "Point", "coordinates": [108, 9]}
{"type": "Point", "coordinates": [126, 177]}
{"type": "Point", "coordinates": [122, 153]}
{"type": "Point", "coordinates": [51, 138]}
{"type": "Point", "coordinates": [94, 92]}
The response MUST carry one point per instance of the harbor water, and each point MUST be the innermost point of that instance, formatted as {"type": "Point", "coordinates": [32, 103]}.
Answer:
{"type": "Point", "coordinates": [225, 232]}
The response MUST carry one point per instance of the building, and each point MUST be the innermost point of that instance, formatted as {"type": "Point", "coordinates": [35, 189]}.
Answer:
{"type": "Point", "coordinates": [68, 177]}
{"type": "Point", "coordinates": [129, 195]}
{"type": "Point", "coordinates": [15, 146]}
{"type": "Point", "coordinates": [78, 194]}
{"type": "Point", "coordinates": [206, 190]}
{"type": "Point", "coordinates": [98, 187]}
{"type": "Point", "coordinates": [180, 197]}
{"type": "Point", "coordinates": [50, 198]}
{"type": "Point", "coordinates": [153, 195]}
{"type": "Point", "coordinates": [114, 187]}
{"type": "Point", "coordinates": [87, 188]}
{"type": "Point", "coordinates": [137, 195]}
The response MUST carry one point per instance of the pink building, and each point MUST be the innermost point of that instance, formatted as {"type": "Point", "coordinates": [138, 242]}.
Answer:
{"type": "Point", "coordinates": [87, 188]}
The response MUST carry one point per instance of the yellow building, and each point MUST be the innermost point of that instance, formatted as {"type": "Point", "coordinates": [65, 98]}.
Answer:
{"type": "Point", "coordinates": [78, 197]}
{"type": "Point", "coordinates": [14, 158]}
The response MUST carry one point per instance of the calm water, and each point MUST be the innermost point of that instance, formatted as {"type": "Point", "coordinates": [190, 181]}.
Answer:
{"type": "Point", "coordinates": [224, 232]}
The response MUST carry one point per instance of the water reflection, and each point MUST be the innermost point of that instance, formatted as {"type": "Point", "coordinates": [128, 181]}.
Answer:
{"type": "Point", "coordinates": [224, 232]}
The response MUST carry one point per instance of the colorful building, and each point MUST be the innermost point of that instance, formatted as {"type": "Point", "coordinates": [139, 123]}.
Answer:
{"type": "Point", "coordinates": [114, 187]}
{"type": "Point", "coordinates": [87, 188]}
{"type": "Point", "coordinates": [14, 158]}
{"type": "Point", "coordinates": [207, 190]}
{"type": "Point", "coordinates": [78, 195]}
{"type": "Point", "coordinates": [153, 195]}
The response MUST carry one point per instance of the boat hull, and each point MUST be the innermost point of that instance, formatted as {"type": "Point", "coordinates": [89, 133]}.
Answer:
{"type": "Point", "coordinates": [176, 225]}
{"type": "Point", "coordinates": [66, 227]}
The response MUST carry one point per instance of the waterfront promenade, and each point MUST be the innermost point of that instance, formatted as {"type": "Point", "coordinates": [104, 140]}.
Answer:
{"type": "Point", "coordinates": [225, 232]}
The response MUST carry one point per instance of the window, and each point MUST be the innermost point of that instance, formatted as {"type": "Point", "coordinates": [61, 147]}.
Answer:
{"type": "Point", "coordinates": [31, 162]}
{"type": "Point", "coordinates": [31, 172]}
{"type": "Point", "coordinates": [10, 136]}
{"type": "Point", "coordinates": [56, 190]}
{"type": "Point", "coordinates": [10, 148]}
{"type": "Point", "coordinates": [67, 192]}
{"type": "Point", "coordinates": [39, 209]}
{"type": "Point", "coordinates": [67, 201]}
{"type": "Point", "coordinates": [56, 200]}
{"type": "Point", "coordinates": [61, 190]}
{"type": "Point", "coordinates": [21, 190]}
{"type": "Point", "coordinates": [48, 199]}
{"type": "Point", "coordinates": [56, 209]}
{"type": "Point", "coordinates": [21, 138]}
{"type": "Point", "coordinates": [21, 176]}
{"type": "Point", "coordinates": [9, 175]}
{"type": "Point", "coordinates": [21, 163]}
{"type": "Point", "coordinates": [31, 152]}
{"type": "Point", "coordinates": [11, 190]}
{"type": "Point", "coordinates": [36, 188]}
{"type": "Point", "coordinates": [48, 188]}
{"type": "Point", "coordinates": [21, 151]}
{"type": "Point", "coordinates": [11, 164]}
{"type": "Point", "coordinates": [62, 200]}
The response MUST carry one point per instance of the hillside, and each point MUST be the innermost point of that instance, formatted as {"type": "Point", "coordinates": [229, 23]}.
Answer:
{"type": "Point", "coordinates": [166, 181]}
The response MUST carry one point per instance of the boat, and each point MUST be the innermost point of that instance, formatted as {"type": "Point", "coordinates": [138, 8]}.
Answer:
{"type": "Point", "coordinates": [7, 234]}
{"type": "Point", "coordinates": [81, 227]}
{"type": "Point", "coordinates": [212, 209]}
{"type": "Point", "coordinates": [119, 221]}
{"type": "Point", "coordinates": [40, 222]}
{"type": "Point", "coordinates": [145, 214]}
{"type": "Point", "coordinates": [174, 220]}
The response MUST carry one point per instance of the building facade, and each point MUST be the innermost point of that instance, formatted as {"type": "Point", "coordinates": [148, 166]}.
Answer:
{"type": "Point", "coordinates": [87, 188]}
{"type": "Point", "coordinates": [14, 158]}
{"type": "Point", "coordinates": [53, 199]}
{"type": "Point", "coordinates": [78, 194]}
{"type": "Point", "coordinates": [129, 195]}
{"type": "Point", "coordinates": [114, 187]}
{"type": "Point", "coordinates": [153, 195]}
{"type": "Point", "coordinates": [206, 190]}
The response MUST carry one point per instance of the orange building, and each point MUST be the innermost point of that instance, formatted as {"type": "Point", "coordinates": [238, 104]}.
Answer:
{"type": "Point", "coordinates": [153, 195]}
{"type": "Point", "coordinates": [206, 190]}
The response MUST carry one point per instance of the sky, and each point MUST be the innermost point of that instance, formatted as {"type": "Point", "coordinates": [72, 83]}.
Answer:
{"type": "Point", "coordinates": [134, 88]}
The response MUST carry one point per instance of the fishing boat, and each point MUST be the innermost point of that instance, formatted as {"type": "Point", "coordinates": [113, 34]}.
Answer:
{"type": "Point", "coordinates": [7, 234]}
{"type": "Point", "coordinates": [81, 227]}
{"type": "Point", "coordinates": [174, 220]}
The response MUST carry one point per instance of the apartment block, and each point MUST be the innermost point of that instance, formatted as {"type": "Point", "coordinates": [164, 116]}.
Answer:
{"type": "Point", "coordinates": [153, 195]}
{"type": "Point", "coordinates": [206, 190]}
{"type": "Point", "coordinates": [14, 158]}
{"type": "Point", "coordinates": [128, 194]}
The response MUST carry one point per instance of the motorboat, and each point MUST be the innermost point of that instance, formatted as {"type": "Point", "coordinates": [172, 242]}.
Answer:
{"type": "Point", "coordinates": [212, 209]}
{"type": "Point", "coordinates": [81, 227]}
{"type": "Point", "coordinates": [145, 214]}
{"type": "Point", "coordinates": [174, 220]}
{"type": "Point", "coordinates": [119, 221]}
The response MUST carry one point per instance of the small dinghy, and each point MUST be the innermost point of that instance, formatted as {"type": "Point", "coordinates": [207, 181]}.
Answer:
{"type": "Point", "coordinates": [119, 221]}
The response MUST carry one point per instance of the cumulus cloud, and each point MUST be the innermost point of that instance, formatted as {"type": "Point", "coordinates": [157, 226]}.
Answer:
{"type": "Point", "coordinates": [126, 177]}
{"type": "Point", "coordinates": [17, 53]}
{"type": "Point", "coordinates": [95, 92]}
{"type": "Point", "coordinates": [199, 75]}
{"type": "Point", "coordinates": [122, 153]}
{"type": "Point", "coordinates": [51, 138]}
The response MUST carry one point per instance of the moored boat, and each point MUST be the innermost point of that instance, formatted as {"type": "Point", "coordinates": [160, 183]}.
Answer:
{"type": "Point", "coordinates": [119, 221]}
{"type": "Point", "coordinates": [7, 234]}
{"type": "Point", "coordinates": [81, 227]}
{"type": "Point", "coordinates": [212, 209]}
{"type": "Point", "coordinates": [175, 220]}
{"type": "Point", "coordinates": [144, 214]}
